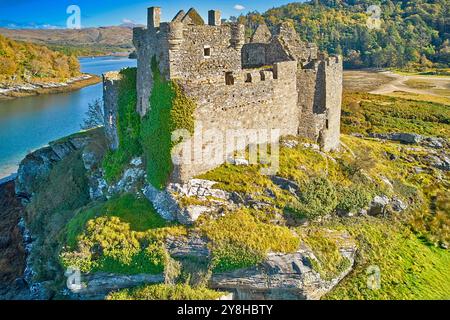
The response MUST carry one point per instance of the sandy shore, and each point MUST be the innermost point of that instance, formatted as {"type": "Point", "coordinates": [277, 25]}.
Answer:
{"type": "Point", "coordinates": [32, 89]}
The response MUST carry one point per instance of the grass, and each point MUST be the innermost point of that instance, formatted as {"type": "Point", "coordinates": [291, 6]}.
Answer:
{"type": "Point", "coordinates": [138, 212]}
{"type": "Point", "coordinates": [166, 292]}
{"type": "Point", "coordinates": [365, 113]}
{"type": "Point", "coordinates": [442, 98]}
{"type": "Point", "coordinates": [240, 240]}
{"type": "Point", "coordinates": [124, 235]}
{"type": "Point", "coordinates": [410, 269]}
{"type": "Point", "coordinates": [325, 245]}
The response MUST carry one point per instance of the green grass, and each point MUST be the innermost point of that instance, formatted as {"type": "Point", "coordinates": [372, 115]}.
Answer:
{"type": "Point", "coordinates": [124, 235]}
{"type": "Point", "coordinates": [410, 269]}
{"type": "Point", "coordinates": [325, 245]}
{"type": "Point", "coordinates": [365, 113]}
{"type": "Point", "coordinates": [131, 209]}
{"type": "Point", "coordinates": [240, 240]}
{"type": "Point", "coordinates": [166, 292]}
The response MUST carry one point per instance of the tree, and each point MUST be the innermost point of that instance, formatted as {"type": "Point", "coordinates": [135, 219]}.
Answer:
{"type": "Point", "coordinates": [94, 115]}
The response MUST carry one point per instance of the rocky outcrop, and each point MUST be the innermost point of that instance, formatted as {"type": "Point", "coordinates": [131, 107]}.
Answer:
{"type": "Point", "coordinates": [37, 165]}
{"type": "Point", "coordinates": [182, 247]}
{"type": "Point", "coordinates": [283, 277]}
{"type": "Point", "coordinates": [166, 202]}
{"type": "Point", "coordinates": [97, 286]}
{"type": "Point", "coordinates": [12, 251]}
{"type": "Point", "coordinates": [408, 138]}
{"type": "Point", "coordinates": [413, 138]}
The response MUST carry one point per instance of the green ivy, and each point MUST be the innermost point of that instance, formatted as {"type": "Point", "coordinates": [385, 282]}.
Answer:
{"type": "Point", "coordinates": [128, 128]}
{"type": "Point", "coordinates": [170, 110]}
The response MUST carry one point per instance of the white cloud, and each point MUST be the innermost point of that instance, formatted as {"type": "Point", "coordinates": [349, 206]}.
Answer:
{"type": "Point", "coordinates": [127, 21]}
{"type": "Point", "coordinates": [239, 7]}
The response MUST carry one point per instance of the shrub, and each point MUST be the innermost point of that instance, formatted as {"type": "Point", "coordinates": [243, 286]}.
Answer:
{"type": "Point", "coordinates": [132, 209]}
{"type": "Point", "coordinates": [318, 197]}
{"type": "Point", "coordinates": [354, 198]}
{"type": "Point", "coordinates": [51, 208]}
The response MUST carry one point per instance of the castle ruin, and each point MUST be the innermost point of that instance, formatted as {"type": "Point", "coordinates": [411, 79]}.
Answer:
{"type": "Point", "coordinates": [272, 81]}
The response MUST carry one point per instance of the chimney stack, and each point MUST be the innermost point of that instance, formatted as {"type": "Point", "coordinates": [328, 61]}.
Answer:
{"type": "Point", "coordinates": [214, 18]}
{"type": "Point", "coordinates": [154, 17]}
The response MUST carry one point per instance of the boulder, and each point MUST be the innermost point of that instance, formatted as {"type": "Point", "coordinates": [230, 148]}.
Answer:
{"type": "Point", "coordinates": [97, 286]}
{"type": "Point", "coordinates": [398, 205]}
{"type": "Point", "coordinates": [286, 184]}
{"type": "Point", "coordinates": [190, 214]}
{"type": "Point", "coordinates": [163, 202]}
{"type": "Point", "coordinates": [378, 205]}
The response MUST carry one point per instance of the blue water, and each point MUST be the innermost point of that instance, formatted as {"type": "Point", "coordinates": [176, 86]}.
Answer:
{"type": "Point", "coordinates": [29, 123]}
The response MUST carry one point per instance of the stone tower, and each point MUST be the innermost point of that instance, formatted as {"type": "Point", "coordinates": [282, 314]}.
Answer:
{"type": "Point", "coordinates": [275, 81]}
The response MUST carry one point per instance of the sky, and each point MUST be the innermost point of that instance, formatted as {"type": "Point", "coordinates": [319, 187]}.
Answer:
{"type": "Point", "coordinates": [94, 13]}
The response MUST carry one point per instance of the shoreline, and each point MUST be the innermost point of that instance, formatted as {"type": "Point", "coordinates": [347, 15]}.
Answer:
{"type": "Point", "coordinates": [34, 89]}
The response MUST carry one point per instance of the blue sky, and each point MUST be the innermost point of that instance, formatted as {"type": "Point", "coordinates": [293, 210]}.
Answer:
{"type": "Point", "coordinates": [114, 12]}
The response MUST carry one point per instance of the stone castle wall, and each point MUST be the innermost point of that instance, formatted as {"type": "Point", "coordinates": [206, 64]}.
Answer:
{"type": "Point", "coordinates": [257, 101]}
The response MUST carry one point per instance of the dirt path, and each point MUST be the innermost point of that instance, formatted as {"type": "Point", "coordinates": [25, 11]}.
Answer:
{"type": "Point", "coordinates": [398, 83]}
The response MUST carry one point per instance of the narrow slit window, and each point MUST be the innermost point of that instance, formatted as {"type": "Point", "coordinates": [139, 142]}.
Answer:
{"type": "Point", "coordinates": [207, 52]}
{"type": "Point", "coordinates": [229, 79]}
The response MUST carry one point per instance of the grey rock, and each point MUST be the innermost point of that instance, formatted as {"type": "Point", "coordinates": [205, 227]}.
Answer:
{"type": "Point", "coordinates": [407, 138]}
{"type": "Point", "coordinates": [311, 146]}
{"type": "Point", "coordinates": [97, 286]}
{"type": "Point", "coordinates": [436, 143]}
{"type": "Point", "coordinates": [37, 165]}
{"type": "Point", "coordinates": [282, 276]}
{"type": "Point", "coordinates": [190, 214]}
{"type": "Point", "coordinates": [398, 205]}
{"type": "Point", "coordinates": [378, 205]}
{"type": "Point", "coordinates": [286, 184]}
{"type": "Point", "coordinates": [291, 144]}
{"type": "Point", "coordinates": [163, 202]}
{"type": "Point", "coordinates": [441, 162]}
{"type": "Point", "coordinates": [193, 246]}
{"type": "Point", "coordinates": [201, 189]}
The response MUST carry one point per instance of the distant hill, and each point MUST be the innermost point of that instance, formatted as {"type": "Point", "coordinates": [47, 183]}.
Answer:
{"type": "Point", "coordinates": [88, 41]}
{"type": "Point", "coordinates": [412, 34]}
{"type": "Point", "coordinates": [26, 62]}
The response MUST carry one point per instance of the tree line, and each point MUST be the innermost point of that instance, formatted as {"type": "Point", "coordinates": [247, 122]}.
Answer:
{"type": "Point", "coordinates": [412, 35]}
{"type": "Point", "coordinates": [26, 62]}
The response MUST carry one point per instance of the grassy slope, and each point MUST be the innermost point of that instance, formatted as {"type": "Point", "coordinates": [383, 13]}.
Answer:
{"type": "Point", "coordinates": [166, 292]}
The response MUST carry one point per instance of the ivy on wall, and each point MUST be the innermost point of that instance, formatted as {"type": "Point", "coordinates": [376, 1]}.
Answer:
{"type": "Point", "coordinates": [128, 128]}
{"type": "Point", "coordinates": [170, 110]}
